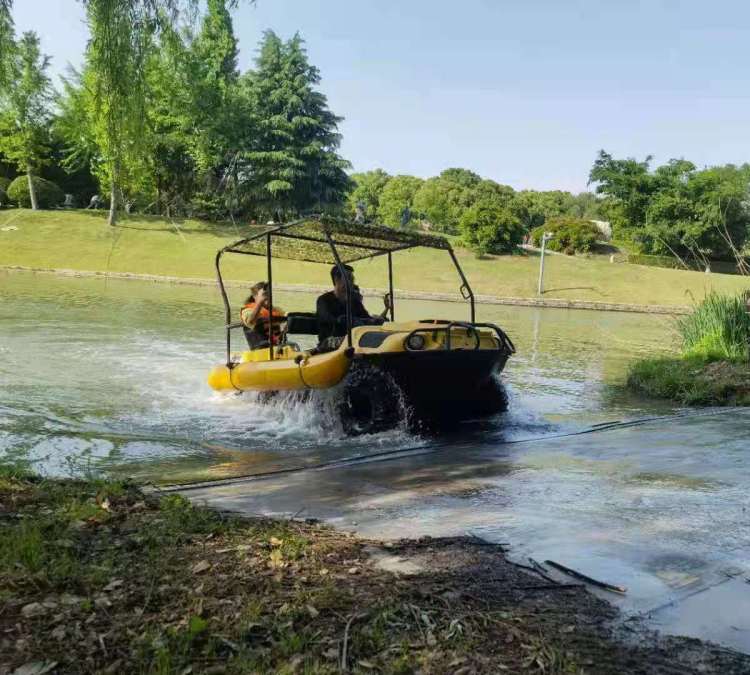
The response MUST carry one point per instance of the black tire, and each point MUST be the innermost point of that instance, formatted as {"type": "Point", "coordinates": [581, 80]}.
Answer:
{"type": "Point", "coordinates": [371, 401]}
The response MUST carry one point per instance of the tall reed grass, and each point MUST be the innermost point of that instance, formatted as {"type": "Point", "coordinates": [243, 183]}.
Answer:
{"type": "Point", "coordinates": [718, 328]}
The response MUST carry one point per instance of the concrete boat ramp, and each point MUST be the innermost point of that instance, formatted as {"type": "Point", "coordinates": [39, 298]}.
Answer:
{"type": "Point", "coordinates": [661, 507]}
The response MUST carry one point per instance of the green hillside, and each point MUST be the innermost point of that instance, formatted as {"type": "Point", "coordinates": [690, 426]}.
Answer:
{"type": "Point", "coordinates": [81, 240]}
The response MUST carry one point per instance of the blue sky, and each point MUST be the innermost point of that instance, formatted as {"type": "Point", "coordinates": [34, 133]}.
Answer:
{"type": "Point", "coordinates": [523, 92]}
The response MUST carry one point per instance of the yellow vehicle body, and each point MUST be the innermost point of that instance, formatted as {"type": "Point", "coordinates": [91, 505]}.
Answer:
{"type": "Point", "coordinates": [294, 370]}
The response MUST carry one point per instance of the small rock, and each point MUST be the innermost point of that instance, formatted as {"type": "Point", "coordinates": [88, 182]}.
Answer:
{"type": "Point", "coordinates": [69, 600]}
{"type": "Point", "coordinates": [35, 668]}
{"type": "Point", "coordinates": [112, 585]}
{"type": "Point", "coordinates": [33, 609]}
{"type": "Point", "coordinates": [102, 602]}
{"type": "Point", "coordinates": [201, 566]}
{"type": "Point", "coordinates": [353, 570]}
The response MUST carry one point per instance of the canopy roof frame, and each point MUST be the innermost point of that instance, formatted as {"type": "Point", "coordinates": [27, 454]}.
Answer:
{"type": "Point", "coordinates": [387, 241]}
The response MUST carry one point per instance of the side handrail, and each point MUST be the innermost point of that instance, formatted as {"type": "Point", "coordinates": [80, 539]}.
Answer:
{"type": "Point", "coordinates": [501, 334]}
{"type": "Point", "coordinates": [470, 329]}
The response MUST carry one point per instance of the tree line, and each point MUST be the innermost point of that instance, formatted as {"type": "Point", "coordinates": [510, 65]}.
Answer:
{"type": "Point", "coordinates": [488, 216]}
{"type": "Point", "coordinates": [676, 209]}
{"type": "Point", "coordinates": [160, 119]}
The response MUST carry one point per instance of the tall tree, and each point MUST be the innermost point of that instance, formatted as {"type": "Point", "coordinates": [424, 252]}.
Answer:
{"type": "Point", "coordinates": [366, 191]}
{"type": "Point", "coordinates": [121, 34]}
{"type": "Point", "coordinates": [443, 199]}
{"type": "Point", "coordinates": [73, 124]}
{"type": "Point", "coordinates": [628, 184]}
{"type": "Point", "coordinates": [25, 109]}
{"type": "Point", "coordinates": [213, 77]}
{"type": "Point", "coordinates": [6, 40]}
{"type": "Point", "coordinates": [294, 165]}
{"type": "Point", "coordinates": [699, 214]}
{"type": "Point", "coordinates": [397, 200]}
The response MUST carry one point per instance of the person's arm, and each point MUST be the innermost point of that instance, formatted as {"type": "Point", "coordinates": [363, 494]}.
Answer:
{"type": "Point", "coordinates": [250, 316]}
{"type": "Point", "coordinates": [387, 306]}
{"type": "Point", "coordinates": [360, 315]}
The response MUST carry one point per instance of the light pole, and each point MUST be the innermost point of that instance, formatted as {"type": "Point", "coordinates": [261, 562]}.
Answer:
{"type": "Point", "coordinates": [545, 238]}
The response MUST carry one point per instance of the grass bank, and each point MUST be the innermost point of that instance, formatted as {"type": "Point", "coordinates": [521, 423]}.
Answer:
{"type": "Point", "coordinates": [692, 380]}
{"type": "Point", "coordinates": [81, 240]}
{"type": "Point", "coordinates": [98, 577]}
{"type": "Point", "coordinates": [714, 366]}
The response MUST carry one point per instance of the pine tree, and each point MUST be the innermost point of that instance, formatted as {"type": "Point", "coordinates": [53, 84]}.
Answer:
{"type": "Point", "coordinates": [293, 166]}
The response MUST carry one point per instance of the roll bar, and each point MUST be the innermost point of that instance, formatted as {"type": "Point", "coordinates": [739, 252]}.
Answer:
{"type": "Point", "coordinates": [464, 289]}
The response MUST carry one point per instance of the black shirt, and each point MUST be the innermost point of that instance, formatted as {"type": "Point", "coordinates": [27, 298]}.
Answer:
{"type": "Point", "coordinates": [331, 313]}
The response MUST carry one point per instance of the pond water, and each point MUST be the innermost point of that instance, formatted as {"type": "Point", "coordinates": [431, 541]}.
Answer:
{"type": "Point", "coordinates": [105, 374]}
{"type": "Point", "coordinates": [110, 376]}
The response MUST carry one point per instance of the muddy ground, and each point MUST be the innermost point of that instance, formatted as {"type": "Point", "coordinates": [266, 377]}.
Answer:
{"type": "Point", "coordinates": [97, 577]}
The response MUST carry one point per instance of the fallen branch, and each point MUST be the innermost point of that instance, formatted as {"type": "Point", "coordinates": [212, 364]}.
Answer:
{"type": "Point", "coordinates": [578, 575]}
{"type": "Point", "coordinates": [549, 587]}
{"type": "Point", "coordinates": [345, 645]}
{"type": "Point", "coordinates": [485, 542]}
{"type": "Point", "coordinates": [541, 571]}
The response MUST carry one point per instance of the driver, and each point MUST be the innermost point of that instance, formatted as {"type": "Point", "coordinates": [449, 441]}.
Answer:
{"type": "Point", "coordinates": [331, 308]}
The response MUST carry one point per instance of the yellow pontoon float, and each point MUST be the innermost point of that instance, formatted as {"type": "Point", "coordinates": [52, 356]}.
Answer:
{"type": "Point", "coordinates": [433, 371]}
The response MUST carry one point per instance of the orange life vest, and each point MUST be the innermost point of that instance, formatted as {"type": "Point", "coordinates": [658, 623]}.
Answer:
{"type": "Point", "coordinates": [278, 317]}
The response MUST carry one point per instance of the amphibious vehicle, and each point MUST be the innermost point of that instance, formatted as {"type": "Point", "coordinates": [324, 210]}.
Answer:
{"type": "Point", "coordinates": [429, 372]}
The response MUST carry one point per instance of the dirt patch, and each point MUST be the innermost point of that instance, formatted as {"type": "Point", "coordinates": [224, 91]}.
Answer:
{"type": "Point", "coordinates": [98, 578]}
{"type": "Point", "coordinates": [727, 374]}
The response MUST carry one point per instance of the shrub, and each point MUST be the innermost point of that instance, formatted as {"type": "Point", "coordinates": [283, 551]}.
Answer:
{"type": "Point", "coordinates": [4, 183]}
{"type": "Point", "coordinates": [655, 261]}
{"type": "Point", "coordinates": [571, 235]}
{"type": "Point", "coordinates": [3, 197]}
{"type": "Point", "coordinates": [47, 193]}
{"type": "Point", "coordinates": [489, 227]}
{"type": "Point", "coordinates": [717, 328]}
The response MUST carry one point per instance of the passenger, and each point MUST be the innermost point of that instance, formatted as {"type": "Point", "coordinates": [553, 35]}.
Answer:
{"type": "Point", "coordinates": [254, 317]}
{"type": "Point", "coordinates": [331, 309]}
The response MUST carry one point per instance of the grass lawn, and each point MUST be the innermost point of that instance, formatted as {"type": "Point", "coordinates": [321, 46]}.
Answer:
{"type": "Point", "coordinates": [82, 240]}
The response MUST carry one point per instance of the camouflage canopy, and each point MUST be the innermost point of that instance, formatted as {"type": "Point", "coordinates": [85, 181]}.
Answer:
{"type": "Point", "coordinates": [310, 239]}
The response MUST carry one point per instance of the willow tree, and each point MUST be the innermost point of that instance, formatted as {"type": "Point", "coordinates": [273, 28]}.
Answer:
{"type": "Point", "coordinates": [6, 39]}
{"type": "Point", "coordinates": [25, 113]}
{"type": "Point", "coordinates": [121, 32]}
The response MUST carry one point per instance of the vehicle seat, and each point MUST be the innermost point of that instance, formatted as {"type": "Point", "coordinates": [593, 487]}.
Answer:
{"type": "Point", "coordinates": [302, 323]}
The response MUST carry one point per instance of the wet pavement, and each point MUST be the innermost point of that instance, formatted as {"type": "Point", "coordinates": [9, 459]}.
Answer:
{"type": "Point", "coordinates": [659, 507]}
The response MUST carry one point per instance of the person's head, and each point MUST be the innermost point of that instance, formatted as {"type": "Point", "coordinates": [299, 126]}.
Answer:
{"type": "Point", "coordinates": [339, 283]}
{"type": "Point", "coordinates": [260, 286]}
